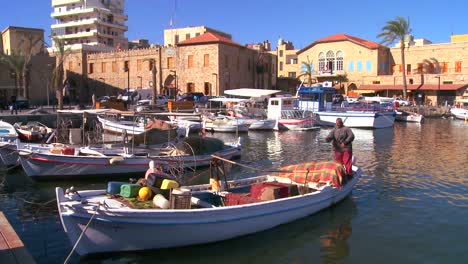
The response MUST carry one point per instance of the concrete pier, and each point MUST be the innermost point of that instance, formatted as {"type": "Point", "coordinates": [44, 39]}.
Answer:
{"type": "Point", "coordinates": [12, 249]}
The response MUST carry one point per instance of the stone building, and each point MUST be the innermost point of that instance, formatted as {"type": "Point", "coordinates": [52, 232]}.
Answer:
{"type": "Point", "coordinates": [208, 63]}
{"type": "Point", "coordinates": [26, 42]}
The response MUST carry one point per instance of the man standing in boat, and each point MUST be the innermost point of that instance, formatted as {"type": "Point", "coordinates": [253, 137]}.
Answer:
{"type": "Point", "coordinates": [342, 138]}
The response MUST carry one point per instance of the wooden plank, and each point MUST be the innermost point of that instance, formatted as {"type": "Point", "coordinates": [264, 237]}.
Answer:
{"type": "Point", "coordinates": [12, 249]}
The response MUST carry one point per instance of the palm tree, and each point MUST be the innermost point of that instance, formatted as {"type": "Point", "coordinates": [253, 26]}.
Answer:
{"type": "Point", "coordinates": [16, 64]}
{"type": "Point", "coordinates": [61, 54]}
{"type": "Point", "coordinates": [308, 73]}
{"type": "Point", "coordinates": [397, 30]}
{"type": "Point", "coordinates": [20, 63]}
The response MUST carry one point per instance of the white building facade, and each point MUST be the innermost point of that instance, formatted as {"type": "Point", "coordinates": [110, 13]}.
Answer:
{"type": "Point", "coordinates": [98, 23]}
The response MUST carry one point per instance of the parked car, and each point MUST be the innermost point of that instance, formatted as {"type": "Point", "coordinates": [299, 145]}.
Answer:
{"type": "Point", "coordinates": [401, 102]}
{"type": "Point", "coordinates": [161, 100]}
{"type": "Point", "coordinates": [191, 96]}
{"type": "Point", "coordinates": [22, 102]}
{"type": "Point", "coordinates": [204, 102]}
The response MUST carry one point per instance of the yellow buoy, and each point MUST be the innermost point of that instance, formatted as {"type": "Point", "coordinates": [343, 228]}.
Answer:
{"type": "Point", "coordinates": [144, 194]}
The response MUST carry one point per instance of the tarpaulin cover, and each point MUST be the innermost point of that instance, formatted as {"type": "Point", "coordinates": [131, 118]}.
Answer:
{"type": "Point", "coordinates": [318, 171]}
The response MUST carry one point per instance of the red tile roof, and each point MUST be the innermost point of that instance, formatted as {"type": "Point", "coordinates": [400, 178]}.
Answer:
{"type": "Point", "coordinates": [343, 37]}
{"type": "Point", "coordinates": [433, 87]}
{"type": "Point", "coordinates": [208, 38]}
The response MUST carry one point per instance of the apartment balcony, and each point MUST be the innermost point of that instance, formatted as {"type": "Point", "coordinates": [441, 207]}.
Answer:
{"type": "Point", "coordinates": [76, 11]}
{"type": "Point", "coordinates": [91, 33]}
{"type": "Point", "coordinates": [113, 25]}
{"type": "Point", "coordinates": [91, 21]}
{"type": "Point", "coordinates": [83, 22]}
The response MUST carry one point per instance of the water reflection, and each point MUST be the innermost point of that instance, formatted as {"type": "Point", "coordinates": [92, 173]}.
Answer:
{"type": "Point", "coordinates": [415, 180]}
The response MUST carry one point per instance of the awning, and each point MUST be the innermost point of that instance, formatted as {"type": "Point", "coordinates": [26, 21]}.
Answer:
{"type": "Point", "coordinates": [225, 100]}
{"type": "Point", "coordinates": [424, 87]}
{"type": "Point", "coordinates": [251, 92]}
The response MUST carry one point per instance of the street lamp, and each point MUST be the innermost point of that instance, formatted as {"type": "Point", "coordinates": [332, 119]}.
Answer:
{"type": "Point", "coordinates": [438, 89]}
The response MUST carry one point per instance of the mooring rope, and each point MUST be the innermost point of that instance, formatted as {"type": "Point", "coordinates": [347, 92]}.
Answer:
{"type": "Point", "coordinates": [81, 235]}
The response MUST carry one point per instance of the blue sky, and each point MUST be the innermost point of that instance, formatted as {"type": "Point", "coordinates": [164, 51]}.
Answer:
{"type": "Point", "coordinates": [253, 21]}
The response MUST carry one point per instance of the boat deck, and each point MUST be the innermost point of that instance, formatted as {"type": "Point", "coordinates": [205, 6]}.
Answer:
{"type": "Point", "coordinates": [12, 249]}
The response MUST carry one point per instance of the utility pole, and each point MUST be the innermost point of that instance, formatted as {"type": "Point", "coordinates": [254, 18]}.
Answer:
{"type": "Point", "coordinates": [153, 76]}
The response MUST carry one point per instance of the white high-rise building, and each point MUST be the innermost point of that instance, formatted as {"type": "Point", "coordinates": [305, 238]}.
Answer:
{"type": "Point", "coordinates": [98, 23]}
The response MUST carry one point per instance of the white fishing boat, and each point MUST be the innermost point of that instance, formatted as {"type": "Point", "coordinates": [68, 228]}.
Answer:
{"type": "Point", "coordinates": [284, 110]}
{"type": "Point", "coordinates": [8, 142]}
{"type": "Point", "coordinates": [66, 162]}
{"type": "Point", "coordinates": [407, 116]}
{"type": "Point", "coordinates": [459, 113]}
{"type": "Point", "coordinates": [224, 124]}
{"type": "Point", "coordinates": [131, 127]}
{"type": "Point", "coordinates": [376, 112]}
{"type": "Point", "coordinates": [460, 110]}
{"type": "Point", "coordinates": [246, 111]}
{"type": "Point", "coordinates": [96, 223]}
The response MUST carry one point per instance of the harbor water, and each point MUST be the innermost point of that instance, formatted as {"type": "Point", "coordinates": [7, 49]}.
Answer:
{"type": "Point", "coordinates": [410, 206]}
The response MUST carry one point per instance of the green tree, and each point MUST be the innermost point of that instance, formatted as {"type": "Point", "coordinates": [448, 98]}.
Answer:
{"type": "Point", "coordinates": [16, 64]}
{"type": "Point", "coordinates": [393, 31]}
{"type": "Point", "coordinates": [20, 63]}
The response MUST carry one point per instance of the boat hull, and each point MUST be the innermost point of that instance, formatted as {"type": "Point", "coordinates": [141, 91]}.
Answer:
{"type": "Point", "coordinates": [8, 154]}
{"type": "Point", "coordinates": [227, 128]}
{"type": "Point", "coordinates": [112, 231]}
{"type": "Point", "coordinates": [267, 124]}
{"type": "Point", "coordinates": [358, 119]}
{"type": "Point", "coordinates": [459, 113]}
{"type": "Point", "coordinates": [408, 117]}
{"type": "Point", "coordinates": [42, 166]}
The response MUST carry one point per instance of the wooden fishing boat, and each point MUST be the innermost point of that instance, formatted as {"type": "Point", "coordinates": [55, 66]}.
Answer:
{"type": "Point", "coordinates": [107, 224]}
{"type": "Point", "coordinates": [407, 116]}
{"type": "Point", "coordinates": [66, 162]}
{"type": "Point", "coordinates": [32, 131]}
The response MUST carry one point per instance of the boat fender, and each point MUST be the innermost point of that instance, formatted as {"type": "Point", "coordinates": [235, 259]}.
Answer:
{"type": "Point", "coordinates": [116, 160]}
{"type": "Point", "coordinates": [160, 201]}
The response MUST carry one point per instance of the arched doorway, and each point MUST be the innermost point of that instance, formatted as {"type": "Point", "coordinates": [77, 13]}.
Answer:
{"type": "Point", "coordinates": [169, 86]}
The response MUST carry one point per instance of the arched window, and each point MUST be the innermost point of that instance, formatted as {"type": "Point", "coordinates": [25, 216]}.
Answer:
{"type": "Point", "coordinates": [339, 60]}
{"type": "Point", "coordinates": [330, 61]}
{"type": "Point", "coordinates": [321, 59]}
